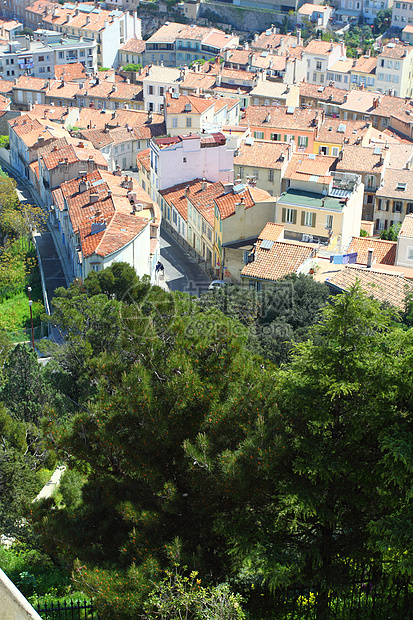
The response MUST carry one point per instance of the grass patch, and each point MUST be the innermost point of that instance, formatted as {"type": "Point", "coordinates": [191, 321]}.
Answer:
{"type": "Point", "coordinates": [18, 270]}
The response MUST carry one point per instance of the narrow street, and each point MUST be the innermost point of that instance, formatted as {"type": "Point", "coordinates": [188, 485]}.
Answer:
{"type": "Point", "coordinates": [182, 272]}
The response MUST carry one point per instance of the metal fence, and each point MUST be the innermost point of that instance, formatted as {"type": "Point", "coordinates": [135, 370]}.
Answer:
{"type": "Point", "coordinates": [67, 610]}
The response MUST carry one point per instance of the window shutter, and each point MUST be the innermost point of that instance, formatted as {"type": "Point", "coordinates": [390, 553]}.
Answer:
{"type": "Point", "coordinates": [306, 142]}
{"type": "Point", "coordinates": [285, 138]}
{"type": "Point", "coordinates": [302, 218]}
{"type": "Point", "coordinates": [313, 219]}
{"type": "Point", "coordinates": [283, 214]}
{"type": "Point", "coordinates": [295, 216]}
{"type": "Point", "coordinates": [385, 224]}
{"type": "Point", "coordinates": [394, 206]}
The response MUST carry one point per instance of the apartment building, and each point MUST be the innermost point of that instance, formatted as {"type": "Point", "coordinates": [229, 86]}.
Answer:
{"type": "Point", "coordinates": [131, 52]}
{"type": "Point", "coordinates": [394, 74]}
{"type": "Point", "coordinates": [241, 212]}
{"type": "Point", "coordinates": [372, 7]}
{"type": "Point", "coordinates": [370, 163]}
{"type": "Point", "coordinates": [156, 82]}
{"type": "Point", "coordinates": [321, 206]}
{"type": "Point", "coordinates": [110, 29]}
{"type": "Point", "coordinates": [105, 218]}
{"type": "Point", "coordinates": [394, 199]}
{"type": "Point", "coordinates": [274, 257]}
{"type": "Point", "coordinates": [39, 57]}
{"type": "Point", "coordinates": [187, 113]}
{"type": "Point", "coordinates": [262, 163]}
{"type": "Point", "coordinates": [363, 73]}
{"type": "Point", "coordinates": [183, 158]}
{"type": "Point", "coordinates": [284, 124]}
{"type": "Point", "coordinates": [175, 44]}
{"type": "Point", "coordinates": [59, 165]}
{"type": "Point", "coordinates": [320, 57]}
{"type": "Point", "coordinates": [402, 14]}
{"type": "Point", "coordinates": [327, 98]}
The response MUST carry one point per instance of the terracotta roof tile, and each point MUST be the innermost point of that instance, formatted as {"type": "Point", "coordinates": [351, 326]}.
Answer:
{"type": "Point", "coordinates": [350, 131]}
{"type": "Point", "coordinates": [26, 82]}
{"type": "Point", "coordinates": [407, 227]}
{"type": "Point", "coordinates": [272, 232]}
{"type": "Point", "coordinates": [144, 159]}
{"type": "Point", "coordinates": [323, 93]}
{"type": "Point", "coordinates": [302, 166]}
{"type": "Point", "coordinates": [393, 50]}
{"type": "Point", "coordinates": [70, 72]}
{"type": "Point", "coordinates": [248, 196]}
{"type": "Point", "coordinates": [73, 154]}
{"type": "Point", "coordinates": [365, 64]}
{"type": "Point", "coordinates": [98, 119]}
{"type": "Point", "coordinates": [384, 252]}
{"type": "Point", "coordinates": [362, 159]}
{"type": "Point", "coordinates": [385, 287]}
{"type": "Point", "coordinates": [283, 258]}
{"type": "Point", "coordinates": [199, 105]}
{"type": "Point", "coordinates": [136, 46]}
{"type": "Point", "coordinates": [262, 154]}
{"type": "Point", "coordinates": [112, 208]}
{"type": "Point", "coordinates": [397, 184]}
{"type": "Point", "coordinates": [320, 47]}
{"type": "Point", "coordinates": [274, 40]}
{"type": "Point", "coordinates": [96, 18]}
{"type": "Point", "coordinates": [279, 117]}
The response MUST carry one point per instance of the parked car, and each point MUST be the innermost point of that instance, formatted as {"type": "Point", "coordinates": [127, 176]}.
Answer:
{"type": "Point", "coordinates": [216, 284]}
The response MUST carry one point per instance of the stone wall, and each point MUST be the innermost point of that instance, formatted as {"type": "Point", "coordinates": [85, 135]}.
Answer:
{"type": "Point", "coordinates": [242, 19]}
{"type": "Point", "coordinates": [13, 605]}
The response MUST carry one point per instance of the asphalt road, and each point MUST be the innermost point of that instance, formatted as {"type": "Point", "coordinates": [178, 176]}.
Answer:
{"type": "Point", "coordinates": [182, 272]}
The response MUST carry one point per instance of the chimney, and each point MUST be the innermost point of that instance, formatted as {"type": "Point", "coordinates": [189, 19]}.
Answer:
{"type": "Point", "coordinates": [82, 186]}
{"type": "Point", "coordinates": [186, 190]}
{"type": "Point", "coordinates": [203, 184]}
{"type": "Point", "coordinates": [369, 258]}
{"type": "Point", "coordinates": [87, 20]}
{"type": "Point", "coordinates": [93, 198]}
{"type": "Point", "coordinates": [299, 39]}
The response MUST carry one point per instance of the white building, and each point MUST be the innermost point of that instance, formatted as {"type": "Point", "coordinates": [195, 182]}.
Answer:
{"type": "Point", "coordinates": [321, 56]}
{"type": "Point", "coordinates": [372, 7]}
{"type": "Point", "coordinates": [402, 14]}
{"type": "Point", "coordinates": [38, 58]}
{"type": "Point", "coordinates": [157, 81]}
{"type": "Point", "coordinates": [184, 158]}
{"type": "Point", "coordinates": [394, 70]}
{"type": "Point", "coordinates": [110, 29]}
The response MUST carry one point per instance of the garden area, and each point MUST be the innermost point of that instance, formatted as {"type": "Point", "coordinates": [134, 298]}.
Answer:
{"type": "Point", "coordinates": [18, 264]}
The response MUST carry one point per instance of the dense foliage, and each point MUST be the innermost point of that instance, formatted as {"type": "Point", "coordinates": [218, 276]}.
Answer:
{"type": "Point", "coordinates": [236, 444]}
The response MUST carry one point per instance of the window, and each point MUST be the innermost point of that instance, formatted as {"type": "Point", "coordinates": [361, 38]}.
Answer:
{"type": "Point", "coordinates": [371, 182]}
{"type": "Point", "coordinates": [289, 216]}
{"type": "Point", "coordinates": [95, 266]}
{"type": "Point", "coordinates": [409, 208]}
{"type": "Point", "coordinates": [61, 55]}
{"type": "Point", "coordinates": [314, 76]}
{"type": "Point", "coordinates": [303, 141]}
{"type": "Point", "coordinates": [409, 253]}
{"type": "Point", "coordinates": [318, 65]}
{"type": "Point", "coordinates": [184, 160]}
{"type": "Point", "coordinates": [188, 121]}
{"type": "Point", "coordinates": [276, 137]}
{"type": "Point", "coordinates": [161, 91]}
{"type": "Point", "coordinates": [271, 176]}
{"type": "Point", "coordinates": [329, 222]}
{"type": "Point", "coordinates": [82, 53]}
{"type": "Point", "coordinates": [240, 172]}
{"type": "Point", "coordinates": [41, 58]}
{"type": "Point", "coordinates": [174, 122]}
{"type": "Point", "coordinates": [308, 219]}
{"type": "Point", "coordinates": [150, 90]}
{"type": "Point", "coordinates": [259, 135]}
{"type": "Point", "coordinates": [42, 69]}
{"type": "Point", "coordinates": [397, 206]}
{"type": "Point", "coordinates": [335, 151]}
{"type": "Point", "coordinates": [256, 174]}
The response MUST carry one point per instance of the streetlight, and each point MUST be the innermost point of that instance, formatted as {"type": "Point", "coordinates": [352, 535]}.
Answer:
{"type": "Point", "coordinates": [29, 289]}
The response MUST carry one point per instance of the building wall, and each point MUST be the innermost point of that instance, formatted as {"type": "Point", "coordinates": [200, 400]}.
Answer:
{"type": "Point", "coordinates": [395, 74]}
{"type": "Point", "coordinates": [402, 14]}
{"type": "Point", "coordinates": [188, 161]}
{"type": "Point", "coordinates": [266, 178]}
{"type": "Point", "coordinates": [13, 604]}
{"type": "Point", "coordinates": [404, 252]}
{"type": "Point", "coordinates": [304, 139]}
{"type": "Point", "coordinates": [246, 223]}
{"type": "Point", "coordinates": [318, 64]}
